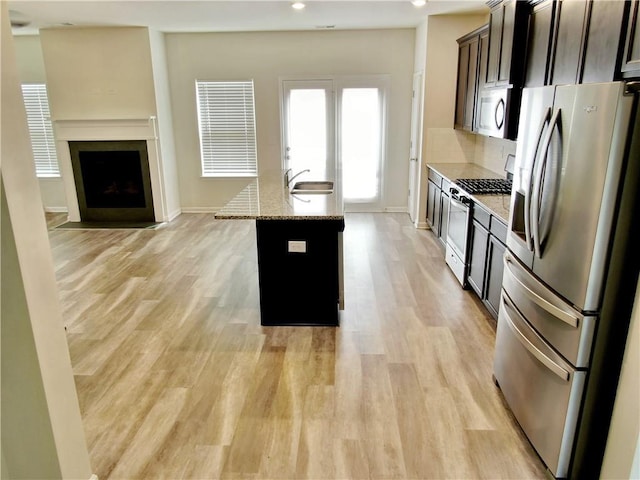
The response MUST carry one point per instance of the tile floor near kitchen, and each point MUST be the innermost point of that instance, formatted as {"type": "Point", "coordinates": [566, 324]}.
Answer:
{"type": "Point", "coordinates": [177, 379]}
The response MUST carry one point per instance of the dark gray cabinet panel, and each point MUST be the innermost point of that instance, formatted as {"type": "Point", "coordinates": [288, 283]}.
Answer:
{"type": "Point", "coordinates": [631, 58]}
{"type": "Point", "coordinates": [479, 243]}
{"type": "Point", "coordinates": [508, 26]}
{"type": "Point", "coordinates": [570, 25]}
{"type": "Point", "coordinates": [603, 47]}
{"type": "Point", "coordinates": [444, 215]}
{"type": "Point", "coordinates": [539, 44]}
{"type": "Point", "coordinates": [433, 192]}
{"type": "Point", "coordinates": [467, 83]}
{"type": "Point", "coordinates": [495, 270]}
{"type": "Point", "coordinates": [575, 41]}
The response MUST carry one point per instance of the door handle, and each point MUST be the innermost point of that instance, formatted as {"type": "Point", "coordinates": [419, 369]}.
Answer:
{"type": "Point", "coordinates": [537, 189]}
{"type": "Point", "coordinates": [530, 347]}
{"type": "Point", "coordinates": [527, 197]}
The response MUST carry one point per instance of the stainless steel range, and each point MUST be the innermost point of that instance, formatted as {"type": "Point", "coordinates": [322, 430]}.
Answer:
{"type": "Point", "coordinates": [460, 218]}
{"type": "Point", "coordinates": [485, 186]}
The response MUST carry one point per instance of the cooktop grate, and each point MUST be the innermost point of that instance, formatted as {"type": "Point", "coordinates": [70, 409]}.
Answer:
{"type": "Point", "coordinates": [484, 186]}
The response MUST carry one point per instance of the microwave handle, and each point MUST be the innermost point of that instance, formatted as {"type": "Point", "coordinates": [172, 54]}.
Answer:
{"type": "Point", "coordinates": [499, 108]}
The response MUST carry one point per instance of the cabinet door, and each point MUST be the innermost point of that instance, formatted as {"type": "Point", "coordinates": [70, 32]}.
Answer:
{"type": "Point", "coordinates": [432, 194]}
{"type": "Point", "coordinates": [631, 58]}
{"type": "Point", "coordinates": [479, 243]}
{"type": "Point", "coordinates": [472, 82]}
{"type": "Point", "coordinates": [496, 23]}
{"type": "Point", "coordinates": [506, 50]}
{"type": "Point", "coordinates": [603, 41]}
{"type": "Point", "coordinates": [444, 216]}
{"type": "Point", "coordinates": [461, 93]}
{"type": "Point", "coordinates": [539, 45]}
{"type": "Point", "coordinates": [567, 57]}
{"type": "Point", "coordinates": [495, 269]}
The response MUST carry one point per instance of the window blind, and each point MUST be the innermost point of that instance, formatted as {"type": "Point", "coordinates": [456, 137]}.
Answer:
{"type": "Point", "coordinates": [226, 120]}
{"type": "Point", "coordinates": [40, 129]}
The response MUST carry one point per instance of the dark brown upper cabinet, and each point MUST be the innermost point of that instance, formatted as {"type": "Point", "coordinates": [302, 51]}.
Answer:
{"type": "Point", "coordinates": [507, 43]}
{"type": "Point", "coordinates": [574, 41]}
{"type": "Point", "coordinates": [631, 58]}
{"type": "Point", "coordinates": [468, 70]}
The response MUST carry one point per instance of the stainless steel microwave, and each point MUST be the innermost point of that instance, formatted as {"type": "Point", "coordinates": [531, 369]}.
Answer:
{"type": "Point", "coordinates": [492, 114]}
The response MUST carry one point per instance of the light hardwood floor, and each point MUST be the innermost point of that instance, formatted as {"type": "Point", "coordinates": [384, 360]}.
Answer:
{"type": "Point", "coordinates": [177, 379]}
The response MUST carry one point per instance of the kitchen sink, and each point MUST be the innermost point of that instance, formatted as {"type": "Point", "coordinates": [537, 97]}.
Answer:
{"type": "Point", "coordinates": [322, 187]}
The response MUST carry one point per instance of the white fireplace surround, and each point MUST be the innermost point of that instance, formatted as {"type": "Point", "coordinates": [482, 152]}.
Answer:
{"type": "Point", "coordinates": [110, 129]}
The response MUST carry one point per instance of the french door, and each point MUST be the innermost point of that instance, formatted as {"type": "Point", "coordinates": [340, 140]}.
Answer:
{"type": "Point", "coordinates": [342, 135]}
{"type": "Point", "coordinates": [309, 128]}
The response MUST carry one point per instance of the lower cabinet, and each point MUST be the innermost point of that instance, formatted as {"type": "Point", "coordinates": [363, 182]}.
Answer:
{"type": "Point", "coordinates": [479, 242]}
{"type": "Point", "coordinates": [487, 243]}
{"type": "Point", "coordinates": [495, 269]}
{"type": "Point", "coordinates": [438, 205]}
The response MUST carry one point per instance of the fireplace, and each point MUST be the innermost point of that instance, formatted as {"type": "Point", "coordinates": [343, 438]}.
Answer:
{"type": "Point", "coordinates": [112, 180]}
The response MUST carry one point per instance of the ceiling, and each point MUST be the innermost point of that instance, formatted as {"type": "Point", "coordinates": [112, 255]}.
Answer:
{"type": "Point", "coordinates": [229, 16]}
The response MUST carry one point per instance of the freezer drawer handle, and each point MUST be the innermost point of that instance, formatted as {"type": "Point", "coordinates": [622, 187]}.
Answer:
{"type": "Point", "coordinates": [541, 302]}
{"type": "Point", "coordinates": [532, 349]}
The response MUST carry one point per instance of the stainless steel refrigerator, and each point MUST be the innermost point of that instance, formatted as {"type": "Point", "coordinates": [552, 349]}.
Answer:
{"type": "Point", "coordinates": [575, 149]}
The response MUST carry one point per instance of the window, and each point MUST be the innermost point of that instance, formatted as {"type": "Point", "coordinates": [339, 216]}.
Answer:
{"type": "Point", "coordinates": [226, 120]}
{"type": "Point", "coordinates": [40, 129]}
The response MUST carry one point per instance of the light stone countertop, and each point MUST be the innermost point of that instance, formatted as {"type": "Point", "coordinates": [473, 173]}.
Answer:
{"type": "Point", "coordinates": [266, 198]}
{"type": "Point", "coordinates": [498, 205]}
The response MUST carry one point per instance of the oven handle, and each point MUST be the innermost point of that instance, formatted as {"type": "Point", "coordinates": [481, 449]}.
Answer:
{"type": "Point", "coordinates": [454, 199]}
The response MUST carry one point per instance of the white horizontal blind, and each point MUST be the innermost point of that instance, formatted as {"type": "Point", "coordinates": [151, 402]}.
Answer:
{"type": "Point", "coordinates": [40, 129]}
{"type": "Point", "coordinates": [226, 119]}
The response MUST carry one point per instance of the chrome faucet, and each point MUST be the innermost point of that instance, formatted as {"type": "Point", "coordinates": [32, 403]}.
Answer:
{"type": "Point", "coordinates": [288, 180]}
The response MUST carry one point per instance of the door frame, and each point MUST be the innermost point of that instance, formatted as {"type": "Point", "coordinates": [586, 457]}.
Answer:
{"type": "Point", "coordinates": [415, 150]}
{"type": "Point", "coordinates": [382, 81]}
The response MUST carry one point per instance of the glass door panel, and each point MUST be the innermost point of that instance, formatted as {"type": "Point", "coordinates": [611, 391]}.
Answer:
{"type": "Point", "coordinates": [360, 144]}
{"type": "Point", "coordinates": [308, 128]}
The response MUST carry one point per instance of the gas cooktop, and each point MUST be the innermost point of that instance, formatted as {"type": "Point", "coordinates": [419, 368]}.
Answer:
{"type": "Point", "coordinates": [485, 186]}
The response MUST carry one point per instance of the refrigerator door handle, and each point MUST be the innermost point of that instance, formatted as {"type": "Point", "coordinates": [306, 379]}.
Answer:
{"type": "Point", "coordinates": [549, 307]}
{"type": "Point", "coordinates": [527, 197]}
{"type": "Point", "coordinates": [536, 193]}
{"type": "Point", "coordinates": [529, 346]}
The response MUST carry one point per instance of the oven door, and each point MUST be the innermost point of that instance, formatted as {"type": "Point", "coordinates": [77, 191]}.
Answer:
{"type": "Point", "coordinates": [459, 215]}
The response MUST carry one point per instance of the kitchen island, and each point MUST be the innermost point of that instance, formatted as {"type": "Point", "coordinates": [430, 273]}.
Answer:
{"type": "Point", "coordinates": [299, 239]}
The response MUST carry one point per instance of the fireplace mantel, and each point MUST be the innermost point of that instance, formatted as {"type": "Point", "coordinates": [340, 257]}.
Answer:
{"type": "Point", "coordinates": [67, 130]}
{"type": "Point", "coordinates": [107, 129]}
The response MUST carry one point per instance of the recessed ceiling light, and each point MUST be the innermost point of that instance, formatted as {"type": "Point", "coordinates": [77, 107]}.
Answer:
{"type": "Point", "coordinates": [298, 5]}
{"type": "Point", "coordinates": [419, 3]}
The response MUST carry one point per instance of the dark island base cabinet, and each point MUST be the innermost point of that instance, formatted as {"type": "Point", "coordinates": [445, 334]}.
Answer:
{"type": "Point", "coordinates": [298, 271]}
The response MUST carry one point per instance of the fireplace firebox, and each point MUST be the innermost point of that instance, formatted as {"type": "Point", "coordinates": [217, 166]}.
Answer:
{"type": "Point", "coordinates": [112, 180]}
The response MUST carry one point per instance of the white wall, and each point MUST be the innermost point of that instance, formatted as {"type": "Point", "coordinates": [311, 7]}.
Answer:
{"type": "Point", "coordinates": [622, 454]}
{"type": "Point", "coordinates": [98, 73]}
{"type": "Point", "coordinates": [31, 70]}
{"type": "Point", "coordinates": [436, 40]}
{"type": "Point", "coordinates": [265, 57]}
{"type": "Point", "coordinates": [42, 432]}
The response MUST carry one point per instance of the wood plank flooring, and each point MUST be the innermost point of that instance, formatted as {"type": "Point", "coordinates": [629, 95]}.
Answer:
{"type": "Point", "coordinates": [177, 379]}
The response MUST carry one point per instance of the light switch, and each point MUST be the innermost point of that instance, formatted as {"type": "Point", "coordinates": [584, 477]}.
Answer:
{"type": "Point", "coordinates": [297, 246]}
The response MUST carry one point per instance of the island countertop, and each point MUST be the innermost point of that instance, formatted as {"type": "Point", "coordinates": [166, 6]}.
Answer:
{"type": "Point", "coordinates": [267, 198]}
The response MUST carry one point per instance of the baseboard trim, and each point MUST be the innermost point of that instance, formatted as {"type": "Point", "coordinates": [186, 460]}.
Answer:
{"type": "Point", "coordinates": [422, 226]}
{"type": "Point", "coordinates": [396, 209]}
{"type": "Point", "coordinates": [201, 209]}
{"type": "Point", "coordinates": [174, 214]}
